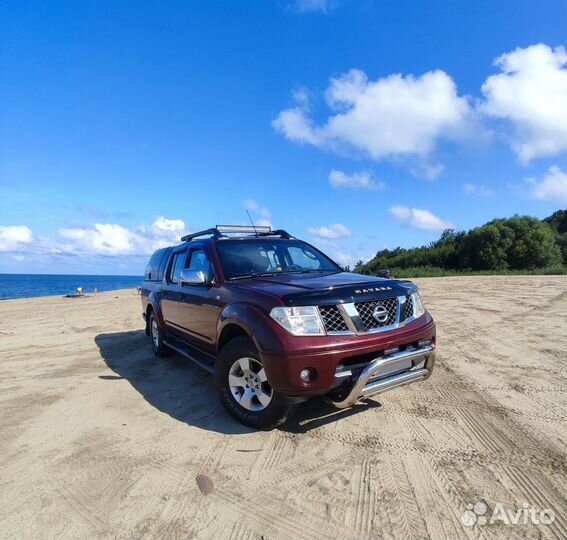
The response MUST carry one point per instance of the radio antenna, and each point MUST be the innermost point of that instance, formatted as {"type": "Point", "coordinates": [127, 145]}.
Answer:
{"type": "Point", "coordinates": [253, 226]}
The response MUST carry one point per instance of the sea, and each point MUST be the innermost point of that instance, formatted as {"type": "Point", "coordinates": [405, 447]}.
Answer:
{"type": "Point", "coordinates": [32, 285]}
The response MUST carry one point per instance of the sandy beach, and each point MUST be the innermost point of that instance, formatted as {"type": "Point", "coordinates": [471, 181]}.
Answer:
{"type": "Point", "coordinates": [100, 439]}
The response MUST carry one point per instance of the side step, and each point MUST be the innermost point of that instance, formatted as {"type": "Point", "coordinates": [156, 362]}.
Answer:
{"type": "Point", "coordinates": [204, 360]}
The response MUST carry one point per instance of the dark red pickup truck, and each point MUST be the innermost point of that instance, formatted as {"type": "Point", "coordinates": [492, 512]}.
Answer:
{"type": "Point", "coordinates": [278, 322]}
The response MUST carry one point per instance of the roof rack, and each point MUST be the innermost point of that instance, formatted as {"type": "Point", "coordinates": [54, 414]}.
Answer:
{"type": "Point", "coordinates": [189, 237]}
{"type": "Point", "coordinates": [219, 231]}
{"type": "Point", "coordinates": [277, 232]}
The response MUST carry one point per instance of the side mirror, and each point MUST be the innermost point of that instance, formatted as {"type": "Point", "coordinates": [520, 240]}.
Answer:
{"type": "Point", "coordinates": [192, 277]}
{"type": "Point", "coordinates": [385, 273]}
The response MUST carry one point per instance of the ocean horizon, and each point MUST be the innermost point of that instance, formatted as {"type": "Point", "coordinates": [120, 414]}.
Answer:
{"type": "Point", "coordinates": [14, 286]}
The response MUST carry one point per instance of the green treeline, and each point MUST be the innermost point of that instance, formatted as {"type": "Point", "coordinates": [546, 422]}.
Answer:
{"type": "Point", "coordinates": [521, 244]}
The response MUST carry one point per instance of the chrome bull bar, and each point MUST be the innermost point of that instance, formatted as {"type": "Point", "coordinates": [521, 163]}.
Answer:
{"type": "Point", "coordinates": [374, 379]}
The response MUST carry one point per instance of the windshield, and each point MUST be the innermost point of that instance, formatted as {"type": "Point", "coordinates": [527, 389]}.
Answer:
{"type": "Point", "coordinates": [259, 257]}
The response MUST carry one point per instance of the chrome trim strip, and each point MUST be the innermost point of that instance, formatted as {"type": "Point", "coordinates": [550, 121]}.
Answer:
{"type": "Point", "coordinates": [391, 327]}
{"type": "Point", "coordinates": [363, 387]}
{"type": "Point", "coordinates": [399, 308]}
{"type": "Point", "coordinates": [351, 317]}
{"type": "Point", "coordinates": [402, 308]}
{"type": "Point", "coordinates": [347, 318]}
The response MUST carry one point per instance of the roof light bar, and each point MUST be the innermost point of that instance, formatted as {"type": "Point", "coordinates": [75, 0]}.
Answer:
{"type": "Point", "coordinates": [245, 229]}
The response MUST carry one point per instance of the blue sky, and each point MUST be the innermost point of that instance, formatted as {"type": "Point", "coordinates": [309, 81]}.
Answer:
{"type": "Point", "coordinates": [353, 124]}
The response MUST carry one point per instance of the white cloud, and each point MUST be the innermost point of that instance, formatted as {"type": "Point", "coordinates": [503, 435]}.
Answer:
{"type": "Point", "coordinates": [552, 187]}
{"type": "Point", "coordinates": [15, 237]}
{"type": "Point", "coordinates": [112, 239]}
{"type": "Point", "coordinates": [330, 232]}
{"type": "Point", "coordinates": [396, 116]}
{"type": "Point", "coordinates": [359, 180]}
{"type": "Point", "coordinates": [302, 97]}
{"type": "Point", "coordinates": [167, 226]}
{"type": "Point", "coordinates": [419, 218]}
{"type": "Point", "coordinates": [478, 190]}
{"type": "Point", "coordinates": [348, 258]}
{"type": "Point", "coordinates": [343, 258]}
{"type": "Point", "coordinates": [297, 127]}
{"type": "Point", "coordinates": [309, 6]}
{"type": "Point", "coordinates": [261, 212]}
{"type": "Point", "coordinates": [429, 171]}
{"type": "Point", "coordinates": [103, 239]}
{"type": "Point", "coordinates": [531, 94]}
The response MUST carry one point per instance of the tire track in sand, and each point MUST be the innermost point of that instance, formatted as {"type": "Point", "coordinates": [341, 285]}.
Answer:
{"type": "Point", "coordinates": [179, 509]}
{"type": "Point", "coordinates": [275, 450]}
{"type": "Point", "coordinates": [273, 517]}
{"type": "Point", "coordinates": [306, 468]}
{"type": "Point", "coordinates": [84, 507]}
{"type": "Point", "coordinates": [537, 492]}
{"type": "Point", "coordinates": [399, 506]}
{"type": "Point", "coordinates": [365, 499]}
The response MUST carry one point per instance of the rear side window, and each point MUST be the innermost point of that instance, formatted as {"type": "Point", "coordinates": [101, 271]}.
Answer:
{"type": "Point", "coordinates": [152, 270]}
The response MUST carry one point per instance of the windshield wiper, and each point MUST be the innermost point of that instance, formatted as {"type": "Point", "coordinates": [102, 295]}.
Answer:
{"type": "Point", "coordinates": [306, 271]}
{"type": "Point", "coordinates": [274, 274]}
{"type": "Point", "coordinates": [253, 275]}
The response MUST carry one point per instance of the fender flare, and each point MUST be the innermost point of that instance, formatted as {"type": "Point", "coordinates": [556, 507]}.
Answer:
{"type": "Point", "coordinates": [154, 304]}
{"type": "Point", "coordinates": [255, 322]}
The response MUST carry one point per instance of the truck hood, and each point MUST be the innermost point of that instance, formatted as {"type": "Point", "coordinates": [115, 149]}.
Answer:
{"type": "Point", "coordinates": [319, 289]}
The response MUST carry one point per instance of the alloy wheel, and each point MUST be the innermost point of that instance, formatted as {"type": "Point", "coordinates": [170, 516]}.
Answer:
{"type": "Point", "coordinates": [155, 332]}
{"type": "Point", "coordinates": [249, 384]}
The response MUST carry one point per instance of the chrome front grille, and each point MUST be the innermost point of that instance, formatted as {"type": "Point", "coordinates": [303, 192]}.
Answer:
{"type": "Point", "coordinates": [333, 320]}
{"type": "Point", "coordinates": [389, 312]}
{"type": "Point", "coordinates": [367, 317]}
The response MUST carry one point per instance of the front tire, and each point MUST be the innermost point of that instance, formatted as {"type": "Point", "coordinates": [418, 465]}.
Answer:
{"type": "Point", "coordinates": [156, 334]}
{"type": "Point", "coordinates": [244, 389]}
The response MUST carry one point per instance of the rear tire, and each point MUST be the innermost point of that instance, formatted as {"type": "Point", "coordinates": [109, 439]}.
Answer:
{"type": "Point", "coordinates": [244, 389]}
{"type": "Point", "coordinates": [156, 335]}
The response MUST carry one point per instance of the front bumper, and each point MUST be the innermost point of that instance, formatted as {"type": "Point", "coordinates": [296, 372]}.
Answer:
{"type": "Point", "coordinates": [374, 378]}
{"type": "Point", "coordinates": [330, 355]}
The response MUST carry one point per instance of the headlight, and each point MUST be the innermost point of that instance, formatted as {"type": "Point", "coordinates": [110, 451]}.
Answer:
{"type": "Point", "coordinates": [418, 307]}
{"type": "Point", "coordinates": [299, 321]}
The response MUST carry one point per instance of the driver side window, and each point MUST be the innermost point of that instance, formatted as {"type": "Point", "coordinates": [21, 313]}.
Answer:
{"type": "Point", "coordinates": [176, 266]}
{"type": "Point", "coordinates": [199, 260]}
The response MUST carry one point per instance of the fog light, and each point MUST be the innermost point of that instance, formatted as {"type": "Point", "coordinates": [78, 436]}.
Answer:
{"type": "Point", "coordinates": [424, 343]}
{"type": "Point", "coordinates": [307, 374]}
